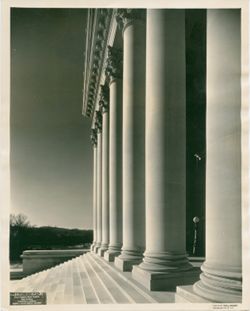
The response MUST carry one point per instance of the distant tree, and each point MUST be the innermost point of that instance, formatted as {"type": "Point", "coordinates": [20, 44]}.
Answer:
{"type": "Point", "coordinates": [19, 227]}
{"type": "Point", "coordinates": [19, 221]}
{"type": "Point", "coordinates": [24, 236]}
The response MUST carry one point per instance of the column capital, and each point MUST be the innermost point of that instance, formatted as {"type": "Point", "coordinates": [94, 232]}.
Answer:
{"type": "Point", "coordinates": [98, 121]}
{"type": "Point", "coordinates": [104, 98]}
{"type": "Point", "coordinates": [125, 17]}
{"type": "Point", "coordinates": [93, 137]}
{"type": "Point", "coordinates": [114, 63]}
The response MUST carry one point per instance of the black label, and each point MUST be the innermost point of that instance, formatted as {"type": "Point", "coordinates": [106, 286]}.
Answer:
{"type": "Point", "coordinates": [31, 298]}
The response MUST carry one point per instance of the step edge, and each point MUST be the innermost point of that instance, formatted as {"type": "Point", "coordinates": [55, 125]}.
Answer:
{"type": "Point", "coordinates": [131, 300]}
{"type": "Point", "coordinates": [103, 284]}
{"type": "Point", "coordinates": [141, 291]}
{"type": "Point", "coordinates": [90, 281]}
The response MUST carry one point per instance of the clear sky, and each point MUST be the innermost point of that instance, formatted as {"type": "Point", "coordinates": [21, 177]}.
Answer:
{"type": "Point", "coordinates": [51, 154]}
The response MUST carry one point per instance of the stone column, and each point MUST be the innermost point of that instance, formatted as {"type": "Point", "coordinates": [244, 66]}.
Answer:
{"type": "Point", "coordinates": [114, 73]}
{"type": "Point", "coordinates": [94, 143]}
{"type": "Point", "coordinates": [104, 107]}
{"type": "Point", "coordinates": [221, 277]}
{"type": "Point", "coordinates": [221, 280]}
{"type": "Point", "coordinates": [134, 46]}
{"type": "Point", "coordinates": [165, 262]}
{"type": "Point", "coordinates": [99, 182]}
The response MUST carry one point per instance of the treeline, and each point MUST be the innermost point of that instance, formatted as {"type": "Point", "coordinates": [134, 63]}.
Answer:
{"type": "Point", "coordinates": [23, 236]}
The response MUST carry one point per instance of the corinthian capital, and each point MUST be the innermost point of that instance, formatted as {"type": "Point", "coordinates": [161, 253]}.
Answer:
{"type": "Point", "coordinates": [98, 121]}
{"type": "Point", "coordinates": [127, 16]}
{"type": "Point", "coordinates": [114, 63]}
{"type": "Point", "coordinates": [104, 98]}
{"type": "Point", "coordinates": [93, 137]}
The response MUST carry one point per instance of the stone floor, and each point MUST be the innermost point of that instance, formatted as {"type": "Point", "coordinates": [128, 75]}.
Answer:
{"type": "Point", "coordinates": [89, 279]}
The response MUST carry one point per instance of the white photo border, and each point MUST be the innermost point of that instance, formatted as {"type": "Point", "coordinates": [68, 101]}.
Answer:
{"type": "Point", "coordinates": [6, 6]}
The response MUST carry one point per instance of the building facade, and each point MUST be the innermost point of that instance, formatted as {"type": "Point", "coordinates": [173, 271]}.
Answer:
{"type": "Point", "coordinates": [162, 87]}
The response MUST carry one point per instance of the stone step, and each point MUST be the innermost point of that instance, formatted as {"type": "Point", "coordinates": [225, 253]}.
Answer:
{"type": "Point", "coordinates": [134, 294]}
{"type": "Point", "coordinates": [153, 297]}
{"type": "Point", "coordinates": [25, 284]}
{"type": "Point", "coordinates": [118, 293]}
{"type": "Point", "coordinates": [78, 293]}
{"type": "Point", "coordinates": [87, 285]}
{"type": "Point", "coordinates": [68, 296]}
{"type": "Point", "coordinates": [102, 292]}
{"type": "Point", "coordinates": [60, 290]}
{"type": "Point", "coordinates": [50, 285]}
{"type": "Point", "coordinates": [88, 279]}
{"type": "Point", "coordinates": [138, 294]}
{"type": "Point", "coordinates": [58, 298]}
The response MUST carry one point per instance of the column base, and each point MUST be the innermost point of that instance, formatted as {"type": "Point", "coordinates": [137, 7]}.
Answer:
{"type": "Point", "coordinates": [186, 294]}
{"type": "Point", "coordinates": [113, 251]}
{"type": "Point", "coordinates": [110, 257]}
{"type": "Point", "coordinates": [126, 264]}
{"type": "Point", "coordinates": [92, 247]}
{"type": "Point", "coordinates": [95, 250]}
{"type": "Point", "coordinates": [220, 283]}
{"type": "Point", "coordinates": [101, 251]}
{"type": "Point", "coordinates": [162, 281]}
{"type": "Point", "coordinates": [226, 293]}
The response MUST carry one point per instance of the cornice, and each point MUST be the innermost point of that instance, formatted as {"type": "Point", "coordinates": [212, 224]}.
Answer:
{"type": "Point", "coordinates": [98, 25]}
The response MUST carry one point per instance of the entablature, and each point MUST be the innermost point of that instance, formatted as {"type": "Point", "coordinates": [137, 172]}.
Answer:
{"type": "Point", "coordinates": [100, 32]}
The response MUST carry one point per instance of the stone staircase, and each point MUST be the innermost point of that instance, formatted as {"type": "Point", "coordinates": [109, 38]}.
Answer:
{"type": "Point", "coordinates": [89, 279]}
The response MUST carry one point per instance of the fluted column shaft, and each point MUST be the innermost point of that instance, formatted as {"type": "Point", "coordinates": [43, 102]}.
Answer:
{"type": "Point", "coordinates": [94, 196]}
{"type": "Point", "coordinates": [115, 166]}
{"type": "Point", "coordinates": [221, 277]}
{"type": "Point", "coordinates": [105, 182]}
{"type": "Point", "coordinates": [114, 69]}
{"type": "Point", "coordinates": [165, 139]}
{"type": "Point", "coordinates": [165, 152]}
{"type": "Point", "coordinates": [134, 43]}
{"type": "Point", "coordinates": [99, 191]}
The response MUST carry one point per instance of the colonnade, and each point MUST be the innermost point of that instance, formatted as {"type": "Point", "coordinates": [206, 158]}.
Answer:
{"type": "Point", "coordinates": [139, 147]}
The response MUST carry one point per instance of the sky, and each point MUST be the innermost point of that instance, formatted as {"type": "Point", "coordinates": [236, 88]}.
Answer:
{"type": "Point", "coordinates": [51, 154]}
